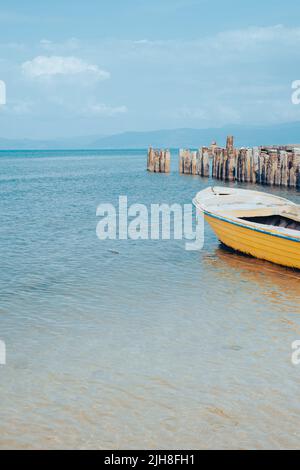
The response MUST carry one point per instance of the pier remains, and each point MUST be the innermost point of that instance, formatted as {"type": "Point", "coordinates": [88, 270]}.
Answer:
{"type": "Point", "coordinates": [269, 165]}
{"type": "Point", "coordinates": [195, 162]}
{"type": "Point", "coordinates": [158, 160]}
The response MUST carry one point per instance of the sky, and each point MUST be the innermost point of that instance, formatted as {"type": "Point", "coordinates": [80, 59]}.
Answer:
{"type": "Point", "coordinates": [75, 68]}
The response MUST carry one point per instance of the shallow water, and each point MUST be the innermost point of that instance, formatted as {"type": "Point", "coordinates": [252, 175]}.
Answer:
{"type": "Point", "coordinates": [135, 344]}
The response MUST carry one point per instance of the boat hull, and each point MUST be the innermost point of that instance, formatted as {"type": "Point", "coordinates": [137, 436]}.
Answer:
{"type": "Point", "coordinates": [261, 244]}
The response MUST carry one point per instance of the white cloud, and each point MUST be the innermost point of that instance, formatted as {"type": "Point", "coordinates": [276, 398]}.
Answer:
{"type": "Point", "coordinates": [18, 107]}
{"type": "Point", "coordinates": [13, 17]}
{"type": "Point", "coordinates": [49, 66]}
{"type": "Point", "coordinates": [17, 46]}
{"type": "Point", "coordinates": [210, 114]}
{"type": "Point", "coordinates": [239, 75]}
{"type": "Point", "coordinates": [70, 44]}
{"type": "Point", "coordinates": [22, 107]}
{"type": "Point", "coordinates": [104, 110]}
{"type": "Point", "coordinates": [142, 41]}
{"type": "Point", "coordinates": [254, 35]}
{"type": "Point", "coordinates": [236, 45]}
{"type": "Point", "coordinates": [46, 44]}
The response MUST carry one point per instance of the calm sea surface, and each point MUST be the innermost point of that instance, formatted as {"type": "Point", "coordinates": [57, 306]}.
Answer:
{"type": "Point", "coordinates": [135, 344]}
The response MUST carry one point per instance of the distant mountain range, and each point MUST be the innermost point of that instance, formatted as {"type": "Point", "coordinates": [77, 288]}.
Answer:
{"type": "Point", "coordinates": [51, 144]}
{"type": "Point", "coordinates": [279, 134]}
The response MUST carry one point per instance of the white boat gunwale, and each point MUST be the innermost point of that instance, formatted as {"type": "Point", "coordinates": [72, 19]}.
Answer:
{"type": "Point", "coordinates": [272, 230]}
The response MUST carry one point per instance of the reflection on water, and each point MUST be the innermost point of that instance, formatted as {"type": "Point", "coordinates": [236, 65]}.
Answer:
{"type": "Point", "coordinates": [279, 283]}
{"type": "Point", "coordinates": [134, 344]}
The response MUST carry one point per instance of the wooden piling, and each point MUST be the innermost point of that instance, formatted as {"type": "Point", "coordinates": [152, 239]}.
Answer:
{"type": "Point", "coordinates": [272, 165]}
{"type": "Point", "coordinates": [203, 157]}
{"type": "Point", "coordinates": [158, 161]}
{"type": "Point", "coordinates": [150, 162]}
{"type": "Point", "coordinates": [167, 161]}
{"type": "Point", "coordinates": [278, 166]}
{"type": "Point", "coordinates": [255, 165]}
{"type": "Point", "coordinates": [194, 162]}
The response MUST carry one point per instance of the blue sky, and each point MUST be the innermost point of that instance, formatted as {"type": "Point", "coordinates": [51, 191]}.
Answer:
{"type": "Point", "coordinates": [101, 67]}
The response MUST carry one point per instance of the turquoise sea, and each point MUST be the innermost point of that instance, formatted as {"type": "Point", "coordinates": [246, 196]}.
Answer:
{"type": "Point", "coordinates": [135, 344]}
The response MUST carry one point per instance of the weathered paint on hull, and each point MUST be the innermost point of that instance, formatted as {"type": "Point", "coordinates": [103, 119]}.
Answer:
{"type": "Point", "coordinates": [277, 249]}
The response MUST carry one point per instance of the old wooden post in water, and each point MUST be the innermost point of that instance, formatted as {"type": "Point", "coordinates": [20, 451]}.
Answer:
{"type": "Point", "coordinates": [195, 162]}
{"type": "Point", "coordinates": [159, 161]}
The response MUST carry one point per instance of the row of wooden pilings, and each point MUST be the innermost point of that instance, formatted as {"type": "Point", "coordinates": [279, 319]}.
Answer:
{"type": "Point", "coordinates": [194, 162]}
{"type": "Point", "coordinates": [274, 166]}
{"type": "Point", "coordinates": [278, 166]}
{"type": "Point", "coordinates": [159, 161]}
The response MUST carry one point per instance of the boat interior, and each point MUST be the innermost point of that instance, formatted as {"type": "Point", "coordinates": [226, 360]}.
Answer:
{"type": "Point", "coordinates": [275, 221]}
{"type": "Point", "coordinates": [280, 215]}
{"type": "Point", "coordinates": [254, 207]}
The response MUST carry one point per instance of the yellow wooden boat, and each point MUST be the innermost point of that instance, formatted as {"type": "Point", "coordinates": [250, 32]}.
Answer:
{"type": "Point", "coordinates": [255, 223]}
